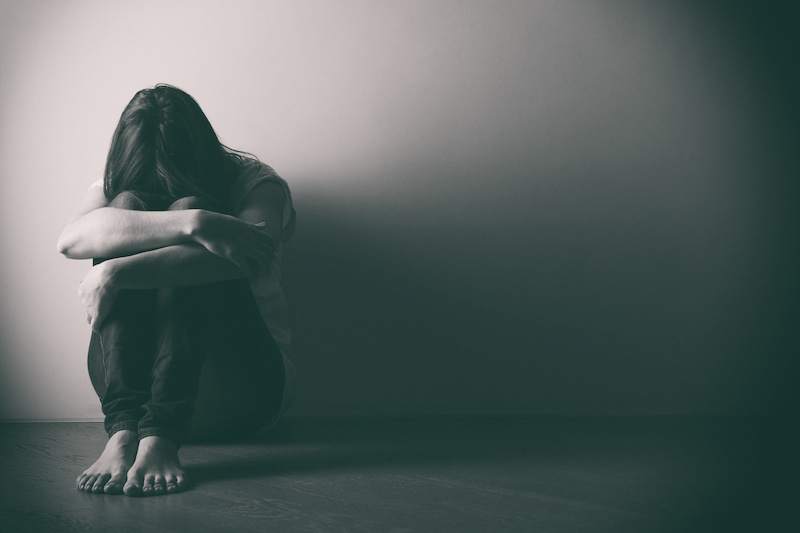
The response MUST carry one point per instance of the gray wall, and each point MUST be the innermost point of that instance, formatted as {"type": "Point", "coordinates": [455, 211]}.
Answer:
{"type": "Point", "coordinates": [584, 210]}
{"type": "Point", "coordinates": [503, 207]}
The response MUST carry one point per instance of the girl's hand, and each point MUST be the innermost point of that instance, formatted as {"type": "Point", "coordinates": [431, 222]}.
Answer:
{"type": "Point", "coordinates": [231, 238]}
{"type": "Point", "coordinates": [98, 294]}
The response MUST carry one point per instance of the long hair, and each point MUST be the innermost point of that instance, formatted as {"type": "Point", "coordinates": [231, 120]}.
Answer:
{"type": "Point", "coordinates": [165, 146]}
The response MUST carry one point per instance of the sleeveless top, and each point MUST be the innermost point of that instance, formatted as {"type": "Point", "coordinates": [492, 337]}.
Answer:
{"type": "Point", "coordinates": [267, 288]}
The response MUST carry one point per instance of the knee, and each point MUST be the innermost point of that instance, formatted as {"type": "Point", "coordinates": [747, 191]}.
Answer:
{"type": "Point", "coordinates": [128, 200]}
{"type": "Point", "coordinates": [190, 202]}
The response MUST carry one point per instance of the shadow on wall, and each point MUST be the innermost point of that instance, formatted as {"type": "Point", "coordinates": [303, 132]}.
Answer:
{"type": "Point", "coordinates": [564, 296]}
{"type": "Point", "coordinates": [644, 264]}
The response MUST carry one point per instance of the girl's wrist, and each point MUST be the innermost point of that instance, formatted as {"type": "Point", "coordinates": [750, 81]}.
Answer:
{"type": "Point", "coordinates": [196, 225]}
{"type": "Point", "coordinates": [112, 273]}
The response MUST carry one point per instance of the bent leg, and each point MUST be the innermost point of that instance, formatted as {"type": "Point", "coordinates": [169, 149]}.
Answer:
{"type": "Point", "coordinates": [121, 352]}
{"type": "Point", "coordinates": [182, 320]}
{"type": "Point", "coordinates": [119, 360]}
{"type": "Point", "coordinates": [217, 325]}
{"type": "Point", "coordinates": [242, 380]}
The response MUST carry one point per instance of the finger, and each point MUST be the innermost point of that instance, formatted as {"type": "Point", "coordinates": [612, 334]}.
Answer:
{"type": "Point", "coordinates": [263, 247]}
{"type": "Point", "coordinates": [263, 237]}
{"type": "Point", "coordinates": [264, 256]}
{"type": "Point", "coordinates": [99, 319]}
{"type": "Point", "coordinates": [256, 266]}
{"type": "Point", "coordinates": [260, 258]}
{"type": "Point", "coordinates": [261, 240]}
{"type": "Point", "coordinates": [243, 266]}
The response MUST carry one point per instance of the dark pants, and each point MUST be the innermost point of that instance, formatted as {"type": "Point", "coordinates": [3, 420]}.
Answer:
{"type": "Point", "coordinates": [185, 362]}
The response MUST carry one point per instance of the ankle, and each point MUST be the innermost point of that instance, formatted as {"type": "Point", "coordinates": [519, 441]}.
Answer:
{"type": "Point", "coordinates": [124, 436]}
{"type": "Point", "coordinates": [155, 442]}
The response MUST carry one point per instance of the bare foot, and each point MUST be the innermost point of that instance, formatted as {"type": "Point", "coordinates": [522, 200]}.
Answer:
{"type": "Point", "coordinates": [107, 474]}
{"type": "Point", "coordinates": [156, 470]}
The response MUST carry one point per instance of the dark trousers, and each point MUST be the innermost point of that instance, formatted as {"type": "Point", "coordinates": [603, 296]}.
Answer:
{"type": "Point", "coordinates": [186, 362]}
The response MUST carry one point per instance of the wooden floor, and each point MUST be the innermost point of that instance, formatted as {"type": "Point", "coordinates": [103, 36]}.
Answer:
{"type": "Point", "coordinates": [440, 475]}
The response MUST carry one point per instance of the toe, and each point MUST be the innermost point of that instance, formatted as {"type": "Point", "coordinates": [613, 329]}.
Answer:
{"type": "Point", "coordinates": [81, 480]}
{"type": "Point", "coordinates": [89, 483]}
{"type": "Point", "coordinates": [159, 485]}
{"type": "Point", "coordinates": [114, 485]}
{"type": "Point", "coordinates": [85, 480]}
{"type": "Point", "coordinates": [132, 488]}
{"type": "Point", "coordinates": [133, 485]}
{"type": "Point", "coordinates": [181, 482]}
{"type": "Point", "coordinates": [100, 482]}
{"type": "Point", "coordinates": [147, 488]}
{"type": "Point", "coordinates": [172, 484]}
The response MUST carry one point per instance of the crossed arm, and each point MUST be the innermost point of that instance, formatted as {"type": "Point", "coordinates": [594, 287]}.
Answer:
{"type": "Point", "coordinates": [154, 249]}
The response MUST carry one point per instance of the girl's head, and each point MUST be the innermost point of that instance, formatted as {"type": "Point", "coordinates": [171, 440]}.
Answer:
{"type": "Point", "coordinates": [164, 145]}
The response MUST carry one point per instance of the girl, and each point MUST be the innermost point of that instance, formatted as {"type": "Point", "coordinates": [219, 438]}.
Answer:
{"type": "Point", "coordinates": [189, 324]}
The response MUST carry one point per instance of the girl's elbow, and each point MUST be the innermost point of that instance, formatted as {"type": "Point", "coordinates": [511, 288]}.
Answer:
{"type": "Point", "coordinates": [68, 246]}
{"type": "Point", "coordinates": [63, 245]}
{"type": "Point", "coordinates": [66, 250]}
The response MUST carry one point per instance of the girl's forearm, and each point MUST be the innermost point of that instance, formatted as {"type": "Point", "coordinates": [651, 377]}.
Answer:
{"type": "Point", "coordinates": [111, 232]}
{"type": "Point", "coordinates": [171, 266]}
